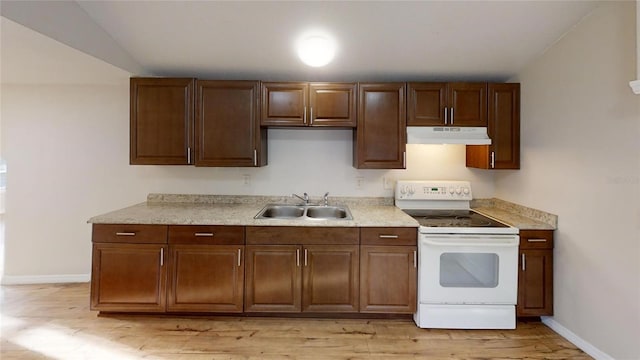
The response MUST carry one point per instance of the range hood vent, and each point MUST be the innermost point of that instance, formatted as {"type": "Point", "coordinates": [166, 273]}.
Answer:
{"type": "Point", "coordinates": [447, 135]}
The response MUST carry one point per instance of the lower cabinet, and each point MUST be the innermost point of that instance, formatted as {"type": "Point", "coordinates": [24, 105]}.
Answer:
{"type": "Point", "coordinates": [299, 274]}
{"type": "Point", "coordinates": [388, 270]}
{"type": "Point", "coordinates": [311, 278]}
{"type": "Point", "coordinates": [535, 274]}
{"type": "Point", "coordinates": [129, 271]}
{"type": "Point", "coordinates": [206, 278]}
{"type": "Point", "coordinates": [206, 268]}
{"type": "Point", "coordinates": [274, 283]}
{"type": "Point", "coordinates": [236, 269]}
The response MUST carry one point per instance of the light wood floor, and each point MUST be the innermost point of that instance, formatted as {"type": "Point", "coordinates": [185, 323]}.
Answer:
{"type": "Point", "coordinates": [54, 322]}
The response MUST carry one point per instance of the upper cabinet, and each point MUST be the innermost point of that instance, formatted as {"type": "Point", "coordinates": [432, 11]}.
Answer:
{"type": "Point", "coordinates": [308, 104]}
{"type": "Point", "coordinates": [380, 139]}
{"type": "Point", "coordinates": [504, 130]}
{"type": "Point", "coordinates": [447, 104]}
{"type": "Point", "coordinates": [161, 121]}
{"type": "Point", "coordinates": [227, 127]}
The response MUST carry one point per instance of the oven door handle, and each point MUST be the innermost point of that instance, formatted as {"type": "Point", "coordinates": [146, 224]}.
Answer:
{"type": "Point", "coordinates": [475, 241]}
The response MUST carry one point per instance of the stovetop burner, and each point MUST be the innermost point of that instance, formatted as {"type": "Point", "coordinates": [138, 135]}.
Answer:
{"type": "Point", "coordinates": [453, 218]}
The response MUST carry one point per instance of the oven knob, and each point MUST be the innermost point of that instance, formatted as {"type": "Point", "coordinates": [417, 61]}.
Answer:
{"type": "Point", "coordinates": [403, 190]}
{"type": "Point", "coordinates": [451, 190]}
{"type": "Point", "coordinates": [458, 191]}
{"type": "Point", "coordinates": [411, 191]}
{"type": "Point", "coordinates": [465, 191]}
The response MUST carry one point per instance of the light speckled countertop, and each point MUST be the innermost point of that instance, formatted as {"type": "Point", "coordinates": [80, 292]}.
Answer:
{"type": "Point", "coordinates": [519, 216]}
{"type": "Point", "coordinates": [171, 209]}
{"type": "Point", "coordinates": [178, 209]}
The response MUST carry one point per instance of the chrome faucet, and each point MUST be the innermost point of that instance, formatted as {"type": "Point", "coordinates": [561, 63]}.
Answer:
{"type": "Point", "coordinates": [305, 198]}
{"type": "Point", "coordinates": [326, 198]}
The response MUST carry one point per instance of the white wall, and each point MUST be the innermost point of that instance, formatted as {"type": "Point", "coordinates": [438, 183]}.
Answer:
{"type": "Point", "coordinates": [67, 148]}
{"type": "Point", "coordinates": [581, 161]}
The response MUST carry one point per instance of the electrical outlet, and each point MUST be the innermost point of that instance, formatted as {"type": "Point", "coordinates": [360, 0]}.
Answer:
{"type": "Point", "coordinates": [359, 182]}
{"type": "Point", "coordinates": [246, 179]}
{"type": "Point", "coordinates": [387, 183]}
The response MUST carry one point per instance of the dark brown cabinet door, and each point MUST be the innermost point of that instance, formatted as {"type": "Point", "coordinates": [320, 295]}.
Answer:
{"type": "Point", "coordinates": [388, 279]}
{"type": "Point", "coordinates": [467, 104]}
{"type": "Point", "coordinates": [330, 278]}
{"type": "Point", "coordinates": [426, 104]}
{"type": "Point", "coordinates": [447, 104]}
{"type": "Point", "coordinates": [128, 277]}
{"type": "Point", "coordinates": [273, 278]}
{"type": "Point", "coordinates": [535, 274]}
{"type": "Point", "coordinates": [332, 104]}
{"type": "Point", "coordinates": [227, 124]}
{"type": "Point", "coordinates": [161, 119]}
{"type": "Point", "coordinates": [206, 278]}
{"type": "Point", "coordinates": [504, 130]}
{"type": "Point", "coordinates": [284, 104]}
{"type": "Point", "coordinates": [380, 138]}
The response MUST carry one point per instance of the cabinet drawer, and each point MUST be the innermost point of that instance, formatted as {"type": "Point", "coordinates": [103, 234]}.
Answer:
{"type": "Point", "coordinates": [284, 235]}
{"type": "Point", "coordinates": [389, 236]}
{"type": "Point", "coordinates": [134, 233]}
{"type": "Point", "coordinates": [206, 234]}
{"type": "Point", "coordinates": [536, 239]}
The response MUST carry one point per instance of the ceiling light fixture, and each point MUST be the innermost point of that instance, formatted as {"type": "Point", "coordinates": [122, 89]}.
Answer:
{"type": "Point", "coordinates": [316, 50]}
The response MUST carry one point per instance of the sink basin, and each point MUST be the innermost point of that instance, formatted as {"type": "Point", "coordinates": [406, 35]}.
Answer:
{"type": "Point", "coordinates": [281, 212]}
{"type": "Point", "coordinates": [327, 212]}
{"type": "Point", "coordinates": [304, 212]}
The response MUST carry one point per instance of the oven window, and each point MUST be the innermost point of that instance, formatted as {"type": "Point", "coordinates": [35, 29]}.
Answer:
{"type": "Point", "coordinates": [469, 270]}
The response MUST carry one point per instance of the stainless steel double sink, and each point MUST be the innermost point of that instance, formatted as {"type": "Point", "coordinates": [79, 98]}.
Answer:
{"type": "Point", "coordinates": [304, 212]}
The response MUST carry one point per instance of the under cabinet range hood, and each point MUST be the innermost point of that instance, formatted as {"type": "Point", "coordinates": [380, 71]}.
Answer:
{"type": "Point", "coordinates": [447, 135]}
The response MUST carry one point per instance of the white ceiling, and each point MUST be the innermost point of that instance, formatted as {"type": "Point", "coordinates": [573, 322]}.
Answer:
{"type": "Point", "coordinates": [421, 40]}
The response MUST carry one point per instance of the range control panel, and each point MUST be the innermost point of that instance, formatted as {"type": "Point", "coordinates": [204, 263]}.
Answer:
{"type": "Point", "coordinates": [433, 190]}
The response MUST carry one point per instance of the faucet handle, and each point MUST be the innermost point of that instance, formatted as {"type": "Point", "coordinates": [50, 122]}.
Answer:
{"type": "Point", "coordinates": [326, 199]}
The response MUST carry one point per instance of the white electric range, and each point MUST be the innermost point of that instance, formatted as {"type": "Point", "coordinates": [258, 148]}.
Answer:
{"type": "Point", "coordinates": [467, 262]}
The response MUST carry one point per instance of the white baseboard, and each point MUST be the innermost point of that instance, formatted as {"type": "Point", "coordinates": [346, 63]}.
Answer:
{"type": "Point", "coordinates": [44, 279]}
{"type": "Point", "coordinates": [575, 339]}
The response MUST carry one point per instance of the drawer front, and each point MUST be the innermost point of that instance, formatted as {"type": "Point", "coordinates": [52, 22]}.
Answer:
{"type": "Point", "coordinates": [536, 239]}
{"type": "Point", "coordinates": [134, 233]}
{"type": "Point", "coordinates": [206, 234]}
{"type": "Point", "coordinates": [300, 235]}
{"type": "Point", "coordinates": [389, 236]}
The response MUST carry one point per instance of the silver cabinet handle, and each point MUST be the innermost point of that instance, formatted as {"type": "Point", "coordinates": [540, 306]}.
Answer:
{"type": "Point", "coordinates": [125, 234]}
{"type": "Point", "coordinates": [298, 257]}
{"type": "Point", "coordinates": [537, 240]}
{"type": "Point", "coordinates": [388, 236]}
{"type": "Point", "coordinates": [161, 256]}
{"type": "Point", "coordinates": [415, 258]}
{"type": "Point", "coordinates": [452, 115]}
{"type": "Point", "coordinates": [445, 116]}
{"type": "Point", "coordinates": [189, 155]}
{"type": "Point", "coordinates": [311, 115]}
{"type": "Point", "coordinates": [203, 234]}
{"type": "Point", "coordinates": [305, 257]}
{"type": "Point", "coordinates": [255, 157]}
{"type": "Point", "coordinates": [404, 159]}
{"type": "Point", "coordinates": [524, 266]}
{"type": "Point", "coordinates": [239, 256]}
{"type": "Point", "coordinates": [493, 159]}
{"type": "Point", "coordinates": [304, 115]}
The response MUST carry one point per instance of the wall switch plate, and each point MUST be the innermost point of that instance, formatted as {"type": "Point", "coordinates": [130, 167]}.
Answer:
{"type": "Point", "coordinates": [246, 179]}
{"type": "Point", "coordinates": [359, 182]}
{"type": "Point", "coordinates": [387, 183]}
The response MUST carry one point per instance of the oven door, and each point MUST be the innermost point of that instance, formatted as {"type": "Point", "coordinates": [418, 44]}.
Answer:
{"type": "Point", "coordinates": [468, 269]}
